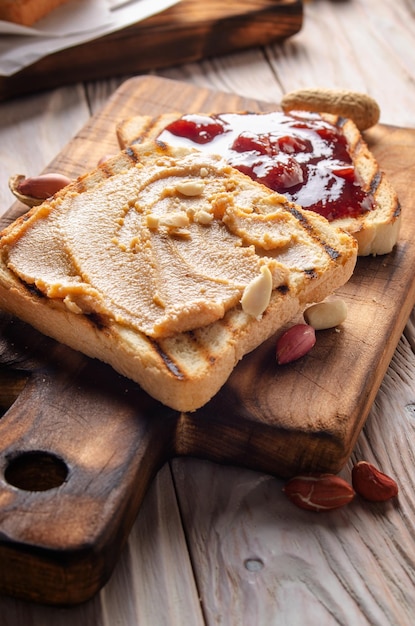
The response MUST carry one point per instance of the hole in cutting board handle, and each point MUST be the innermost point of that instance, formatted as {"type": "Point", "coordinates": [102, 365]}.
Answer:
{"type": "Point", "coordinates": [36, 471]}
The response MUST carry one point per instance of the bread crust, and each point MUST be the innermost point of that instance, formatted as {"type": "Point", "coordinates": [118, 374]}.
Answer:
{"type": "Point", "coordinates": [376, 231]}
{"type": "Point", "coordinates": [186, 370]}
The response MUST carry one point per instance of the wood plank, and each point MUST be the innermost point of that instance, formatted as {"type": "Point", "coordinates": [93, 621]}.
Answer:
{"type": "Point", "coordinates": [187, 31]}
{"type": "Point", "coordinates": [152, 582]}
{"type": "Point", "coordinates": [260, 560]}
{"type": "Point", "coordinates": [35, 129]}
{"type": "Point", "coordinates": [279, 422]}
{"type": "Point", "coordinates": [350, 45]}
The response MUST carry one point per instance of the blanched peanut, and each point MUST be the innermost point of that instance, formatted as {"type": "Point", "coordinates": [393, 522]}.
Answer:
{"type": "Point", "coordinates": [326, 314]}
{"type": "Point", "coordinates": [203, 217]}
{"type": "Point", "coordinates": [177, 219]}
{"type": "Point", "coordinates": [257, 293]}
{"type": "Point", "coordinates": [190, 187]}
{"type": "Point", "coordinates": [152, 221]}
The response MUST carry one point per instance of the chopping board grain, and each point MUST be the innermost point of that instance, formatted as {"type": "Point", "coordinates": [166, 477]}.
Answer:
{"type": "Point", "coordinates": [188, 31]}
{"type": "Point", "coordinates": [80, 445]}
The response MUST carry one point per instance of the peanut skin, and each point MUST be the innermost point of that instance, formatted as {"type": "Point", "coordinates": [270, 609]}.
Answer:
{"type": "Point", "coordinates": [43, 186]}
{"type": "Point", "coordinates": [322, 492]}
{"type": "Point", "coordinates": [359, 107]}
{"type": "Point", "coordinates": [294, 343]}
{"type": "Point", "coordinates": [34, 190]}
{"type": "Point", "coordinates": [372, 484]}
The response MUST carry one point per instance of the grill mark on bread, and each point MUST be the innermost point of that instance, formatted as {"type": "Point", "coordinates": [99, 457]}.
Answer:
{"type": "Point", "coordinates": [170, 364]}
{"type": "Point", "coordinates": [107, 170]}
{"type": "Point", "coordinates": [375, 182]}
{"type": "Point", "coordinates": [375, 185]}
{"type": "Point", "coordinates": [96, 320]}
{"type": "Point", "coordinates": [340, 121]}
{"type": "Point", "coordinates": [332, 252]}
{"type": "Point", "coordinates": [300, 217]}
{"type": "Point", "coordinates": [203, 351]}
{"type": "Point", "coordinates": [33, 290]}
{"type": "Point", "coordinates": [161, 144]}
{"type": "Point", "coordinates": [146, 132]}
{"type": "Point", "coordinates": [283, 289]}
{"type": "Point", "coordinates": [397, 210]}
{"type": "Point", "coordinates": [132, 155]}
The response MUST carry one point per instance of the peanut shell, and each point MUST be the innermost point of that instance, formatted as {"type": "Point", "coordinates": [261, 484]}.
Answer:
{"type": "Point", "coordinates": [359, 107]}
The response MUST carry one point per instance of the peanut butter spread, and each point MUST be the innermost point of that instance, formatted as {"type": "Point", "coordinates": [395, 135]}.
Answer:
{"type": "Point", "coordinates": [165, 245]}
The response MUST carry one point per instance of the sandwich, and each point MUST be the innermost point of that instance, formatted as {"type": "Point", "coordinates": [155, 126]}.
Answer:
{"type": "Point", "coordinates": [170, 265]}
{"type": "Point", "coordinates": [317, 160]}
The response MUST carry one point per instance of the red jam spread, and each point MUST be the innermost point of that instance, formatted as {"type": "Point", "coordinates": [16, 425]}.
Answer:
{"type": "Point", "coordinates": [300, 155]}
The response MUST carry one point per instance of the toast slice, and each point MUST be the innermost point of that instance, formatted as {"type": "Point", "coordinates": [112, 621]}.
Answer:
{"type": "Point", "coordinates": [169, 265]}
{"type": "Point", "coordinates": [371, 211]}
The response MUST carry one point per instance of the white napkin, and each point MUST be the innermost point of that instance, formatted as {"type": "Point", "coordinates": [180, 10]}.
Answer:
{"type": "Point", "coordinates": [71, 24]}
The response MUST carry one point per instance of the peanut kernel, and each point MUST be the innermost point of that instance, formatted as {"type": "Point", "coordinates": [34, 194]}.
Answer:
{"type": "Point", "coordinates": [323, 492]}
{"type": "Point", "coordinates": [326, 314]}
{"type": "Point", "coordinates": [203, 217]}
{"type": "Point", "coordinates": [190, 187]}
{"type": "Point", "coordinates": [183, 233]}
{"type": "Point", "coordinates": [152, 221]}
{"type": "Point", "coordinates": [72, 306]}
{"type": "Point", "coordinates": [295, 343]}
{"type": "Point", "coordinates": [257, 293]}
{"type": "Point", "coordinates": [177, 219]}
{"type": "Point", "coordinates": [372, 484]}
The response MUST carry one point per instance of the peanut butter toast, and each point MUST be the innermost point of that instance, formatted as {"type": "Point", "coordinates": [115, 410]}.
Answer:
{"type": "Point", "coordinates": [170, 265]}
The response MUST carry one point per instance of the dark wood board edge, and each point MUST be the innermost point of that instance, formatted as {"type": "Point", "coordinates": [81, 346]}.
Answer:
{"type": "Point", "coordinates": [186, 32]}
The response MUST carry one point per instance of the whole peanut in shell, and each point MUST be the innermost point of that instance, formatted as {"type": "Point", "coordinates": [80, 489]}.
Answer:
{"type": "Point", "coordinates": [359, 107]}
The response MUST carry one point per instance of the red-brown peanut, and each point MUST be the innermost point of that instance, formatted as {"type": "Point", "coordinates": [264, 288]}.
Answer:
{"type": "Point", "coordinates": [323, 492]}
{"type": "Point", "coordinates": [372, 484]}
{"type": "Point", "coordinates": [295, 343]}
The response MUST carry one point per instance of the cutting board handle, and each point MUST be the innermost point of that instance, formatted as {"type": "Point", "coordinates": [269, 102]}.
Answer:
{"type": "Point", "coordinates": [79, 447]}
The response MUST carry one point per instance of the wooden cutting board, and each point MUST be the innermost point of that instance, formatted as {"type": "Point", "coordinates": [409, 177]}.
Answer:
{"type": "Point", "coordinates": [188, 31]}
{"type": "Point", "coordinates": [79, 444]}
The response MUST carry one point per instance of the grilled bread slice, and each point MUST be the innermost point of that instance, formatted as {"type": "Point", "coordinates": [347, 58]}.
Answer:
{"type": "Point", "coordinates": [376, 227]}
{"type": "Point", "coordinates": [169, 265]}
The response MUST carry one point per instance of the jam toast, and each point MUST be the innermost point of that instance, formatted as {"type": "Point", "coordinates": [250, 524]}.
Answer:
{"type": "Point", "coordinates": [319, 161]}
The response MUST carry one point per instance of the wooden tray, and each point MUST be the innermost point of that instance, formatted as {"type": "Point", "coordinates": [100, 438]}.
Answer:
{"type": "Point", "coordinates": [188, 31]}
{"type": "Point", "coordinates": [79, 445]}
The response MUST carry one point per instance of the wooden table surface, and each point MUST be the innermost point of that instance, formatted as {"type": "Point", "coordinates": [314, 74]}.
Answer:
{"type": "Point", "coordinates": [221, 545]}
